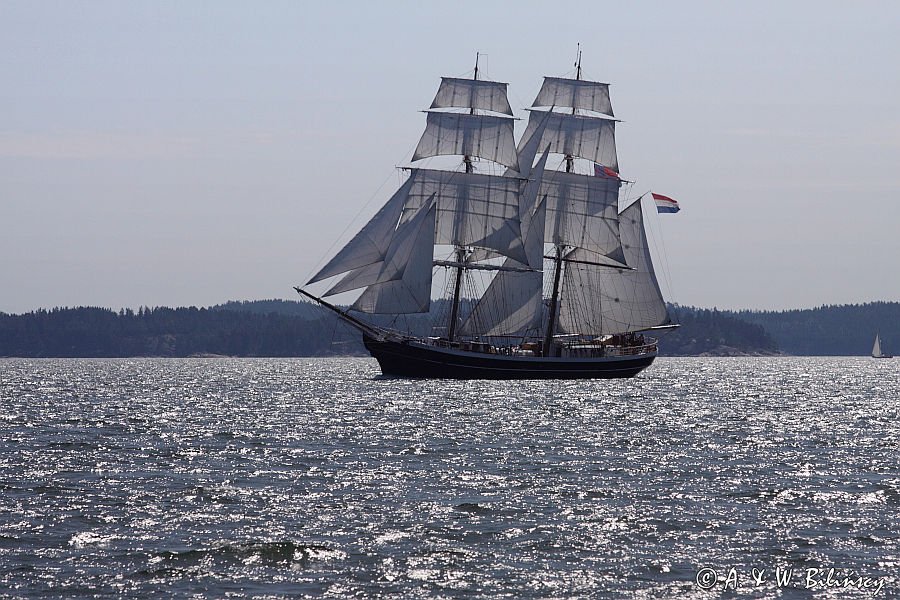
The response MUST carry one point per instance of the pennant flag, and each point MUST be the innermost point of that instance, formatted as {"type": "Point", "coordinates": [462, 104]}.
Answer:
{"type": "Point", "coordinates": [664, 204]}
{"type": "Point", "coordinates": [601, 171]}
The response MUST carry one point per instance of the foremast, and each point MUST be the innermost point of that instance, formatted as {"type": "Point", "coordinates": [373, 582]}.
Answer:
{"type": "Point", "coordinates": [585, 208]}
{"type": "Point", "coordinates": [460, 251]}
{"type": "Point", "coordinates": [392, 257]}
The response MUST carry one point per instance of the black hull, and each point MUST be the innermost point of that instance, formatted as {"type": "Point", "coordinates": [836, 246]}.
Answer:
{"type": "Point", "coordinates": [412, 359]}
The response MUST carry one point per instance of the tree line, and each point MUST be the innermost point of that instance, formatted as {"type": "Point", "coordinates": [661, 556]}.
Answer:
{"type": "Point", "coordinates": [831, 330]}
{"type": "Point", "coordinates": [280, 328]}
{"type": "Point", "coordinates": [169, 332]}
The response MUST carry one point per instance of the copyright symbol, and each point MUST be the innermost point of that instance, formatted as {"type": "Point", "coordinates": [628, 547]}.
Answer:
{"type": "Point", "coordinates": [707, 578]}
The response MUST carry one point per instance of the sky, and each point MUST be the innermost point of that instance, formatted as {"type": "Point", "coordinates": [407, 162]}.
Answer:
{"type": "Point", "coordinates": [190, 153]}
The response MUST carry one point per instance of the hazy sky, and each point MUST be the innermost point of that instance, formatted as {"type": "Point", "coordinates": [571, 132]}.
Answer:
{"type": "Point", "coordinates": [188, 153]}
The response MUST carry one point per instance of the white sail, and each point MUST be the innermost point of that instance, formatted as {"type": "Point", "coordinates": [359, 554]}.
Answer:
{"type": "Point", "coordinates": [582, 212]}
{"type": "Point", "coordinates": [475, 94]}
{"type": "Point", "coordinates": [876, 349]}
{"type": "Point", "coordinates": [533, 214]}
{"type": "Point", "coordinates": [404, 283]}
{"type": "Point", "coordinates": [371, 243]}
{"type": "Point", "coordinates": [357, 278]}
{"type": "Point", "coordinates": [377, 272]}
{"type": "Point", "coordinates": [528, 146]}
{"type": "Point", "coordinates": [607, 300]}
{"type": "Point", "coordinates": [473, 209]}
{"type": "Point", "coordinates": [511, 305]}
{"type": "Point", "coordinates": [575, 93]}
{"type": "Point", "coordinates": [591, 138]}
{"type": "Point", "coordinates": [608, 283]}
{"type": "Point", "coordinates": [484, 136]}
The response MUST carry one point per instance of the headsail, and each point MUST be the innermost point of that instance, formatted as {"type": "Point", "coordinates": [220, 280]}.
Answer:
{"type": "Point", "coordinates": [404, 284]}
{"type": "Point", "coordinates": [395, 258]}
{"type": "Point", "coordinates": [371, 243]}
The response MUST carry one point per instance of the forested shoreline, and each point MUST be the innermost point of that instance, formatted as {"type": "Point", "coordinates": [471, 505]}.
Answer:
{"type": "Point", "coordinates": [279, 328]}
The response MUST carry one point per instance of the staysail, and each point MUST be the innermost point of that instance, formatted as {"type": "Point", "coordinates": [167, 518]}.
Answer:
{"type": "Point", "coordinates": [582, 213]}
{"type": "Point", "coordinates": [371, 243]}
{"type": "Point", "coordinates": [404, 283]}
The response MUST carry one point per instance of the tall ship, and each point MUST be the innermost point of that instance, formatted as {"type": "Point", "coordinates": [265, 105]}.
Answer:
{"type": "Point", "coordinates": [543, 276]}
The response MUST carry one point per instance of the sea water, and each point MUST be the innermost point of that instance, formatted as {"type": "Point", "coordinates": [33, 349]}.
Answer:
{"type": "Point", "coordinates": [756, 477]}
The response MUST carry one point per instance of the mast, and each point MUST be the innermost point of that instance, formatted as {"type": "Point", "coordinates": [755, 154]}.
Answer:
{"type": "Point", "coordinates": [570, 160]}
{"type": "Point", "coordinates": [464, 210]}
{"type": "Point", "coordinates": [454, 311]}
{"type": "Point", "coordinates": [461, 252]}
{"type": "Point", "coordinates": [468, 159]}
{"type": "Point", "coordinates": [578, 63]}
{"type": "Point", "coordinates": [554, 300]}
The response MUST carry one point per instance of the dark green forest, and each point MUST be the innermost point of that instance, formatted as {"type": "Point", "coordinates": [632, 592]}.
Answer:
{"type": "Point", "coordinates": [236, 330]}
{"type": "Point", "coordinates": [712, 332]}
{"type": "Point", "coordinates": [270, 328]}
{"type": "Point", "coordinates": [831, 330]}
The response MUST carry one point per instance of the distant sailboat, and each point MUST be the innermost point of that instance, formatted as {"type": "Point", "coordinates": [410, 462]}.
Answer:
{"type": "Point", "coordinates": [876, 349]}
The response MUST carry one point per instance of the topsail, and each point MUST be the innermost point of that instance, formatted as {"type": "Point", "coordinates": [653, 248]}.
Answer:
{"type": "Point", "coordinates": [474, 94]}
{"type": "Point", "coordinates": [483, 136]}
{"type": "Point", "coordinates": [576, 94]}
{"type": "Point", "coordinates": [591, 138]}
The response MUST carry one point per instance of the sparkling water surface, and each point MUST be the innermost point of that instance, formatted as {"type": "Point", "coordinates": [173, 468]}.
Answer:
{"type": "Point", "coordinates": [317, 477]}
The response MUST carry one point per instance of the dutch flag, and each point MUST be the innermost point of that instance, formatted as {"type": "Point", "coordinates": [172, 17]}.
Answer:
{"type": "Point", "coordinates": [664, 204]}
{"type": "Point", "coordinates": [601, 171]}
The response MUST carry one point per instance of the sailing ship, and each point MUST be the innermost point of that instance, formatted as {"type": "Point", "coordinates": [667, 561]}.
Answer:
{"type": "Point", "coordinates": [568, 286]}
{"type": "Point", "coordinates": [877, 352]}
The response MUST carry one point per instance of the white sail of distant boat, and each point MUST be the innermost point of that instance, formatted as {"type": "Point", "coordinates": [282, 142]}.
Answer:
{"type": "Point", "coordinates": [877, 351]}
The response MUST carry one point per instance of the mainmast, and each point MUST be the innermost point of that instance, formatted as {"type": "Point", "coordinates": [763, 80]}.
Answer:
{"type": "Point", "coordinates": [578, 63]}
{"type": "Point", "coordinates": [570, 160]}
{"type": "Point", "coordinates": [582, 220]}
{"type": "Point", "coordinates": [554, 300]}
{"type": "Point", "coordinates": [457, 285]}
